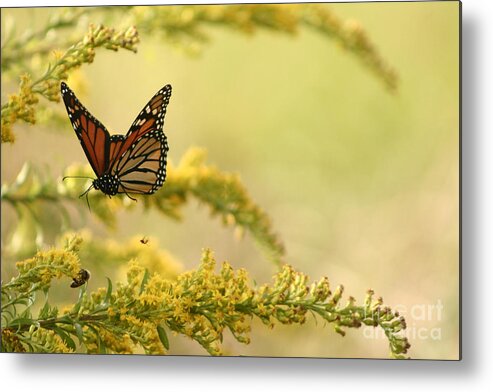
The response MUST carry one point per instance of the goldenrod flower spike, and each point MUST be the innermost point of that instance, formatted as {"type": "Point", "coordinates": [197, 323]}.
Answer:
{"type": "Point", "coordinates": [182, 26]}
{"type": "Point", "coordinates": [201, 304]}
{"type": "Point", "coordinates": [21, 106]}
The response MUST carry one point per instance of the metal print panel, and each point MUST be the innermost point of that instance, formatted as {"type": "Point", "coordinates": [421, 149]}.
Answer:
{"type": "Point", "coordinates": [239, 180]}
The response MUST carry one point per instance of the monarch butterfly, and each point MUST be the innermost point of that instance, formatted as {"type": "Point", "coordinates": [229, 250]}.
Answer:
{"type": "Point", "coordinates": [134, 163]}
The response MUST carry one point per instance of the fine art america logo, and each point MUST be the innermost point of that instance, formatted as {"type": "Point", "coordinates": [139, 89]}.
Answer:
{"type": "Point", "coordinates": [416, 317]}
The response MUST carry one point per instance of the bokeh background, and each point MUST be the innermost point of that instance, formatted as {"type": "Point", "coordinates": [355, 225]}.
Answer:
{"type": "Point", "coordinates": [361, 184]}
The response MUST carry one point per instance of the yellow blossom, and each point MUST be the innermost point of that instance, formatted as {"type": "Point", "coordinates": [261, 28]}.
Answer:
{"type": "Point", "coordinates": [200, 304]}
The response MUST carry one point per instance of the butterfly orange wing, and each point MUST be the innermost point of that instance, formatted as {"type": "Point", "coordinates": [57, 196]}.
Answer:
{"type": "Point", "coordinates": [92, 134]}
{"type": "Point", "coordinates": [141, 160]}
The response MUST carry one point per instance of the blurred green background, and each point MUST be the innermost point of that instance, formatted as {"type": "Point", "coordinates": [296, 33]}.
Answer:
{"type": "Point", "coordinates": [361, 184]}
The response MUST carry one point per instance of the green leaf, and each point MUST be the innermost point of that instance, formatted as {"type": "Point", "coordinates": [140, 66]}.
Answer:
{"type": "Point", "coordinates": [65, 337]}
{"type": "Point", "coordinates": [109, 290]}
{"type": "Point", "coordinates": [78, 304]}
{"type": "Point", "coordinates": [144, 281]}
{"type": "Point", "coordinates": [79, 333]}
{"type": "Point", "coordinates": [43, 313]}
{"type": "Point", "coordinates": [22, 301]}
{"type": "Point", "coordinates": [163, 337]}
{"type": "Point", "coordinates": [9, 313]}
{"type": "Point", "coordinates": [26, 314]}
{"type": "Point", "coordinates": [101, 346]}
{"type": "Point", "coordinates": [21, 321]}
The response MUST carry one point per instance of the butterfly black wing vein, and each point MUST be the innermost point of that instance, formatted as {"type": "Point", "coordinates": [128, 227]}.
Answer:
{"type": "Point", "coordinates": [143, 168]}
{"type": "Point", "coordinates": [92, 134]}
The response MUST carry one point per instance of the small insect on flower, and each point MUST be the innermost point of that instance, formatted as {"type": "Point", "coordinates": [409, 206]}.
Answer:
{"type": "Point", "coordinates": [144, 240]}
{"type": "Point", "coordinates": [134, 163]}
{"type": "Point", "coordinates": [82, 277]}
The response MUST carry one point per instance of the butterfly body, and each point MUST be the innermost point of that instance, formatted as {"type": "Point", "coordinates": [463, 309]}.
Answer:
{"type": "Point", "coordinates": [134, 163]}
{"type": "Point", "coordinates": [107, 183]}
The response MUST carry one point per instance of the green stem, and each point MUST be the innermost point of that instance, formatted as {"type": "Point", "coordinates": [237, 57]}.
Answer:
{"type": "Point", "coordinates": [14, 51]}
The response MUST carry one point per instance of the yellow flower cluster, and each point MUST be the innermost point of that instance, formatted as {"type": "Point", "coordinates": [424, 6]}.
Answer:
{"type": "Point", "coordinates": [45, 340]}
{"type": "Point", "coordinates": [121, 344]}
{"type": "Point", "coordinates": [18, 106]}
{"type": "Point", "coordinates": [351, 37]}
{"type": "Point", "coordinates": [22, 105]}
{"type": "Point", "coordinates": [201, 304]}
{"type": "Point", "coordinates": [11, 342]}
{"type": "Point", "coordinates": [183, 26]}
{"type": "Point", "coordinates": [81, 53]}
{"type": "Point", "coordinates": [47, 265]}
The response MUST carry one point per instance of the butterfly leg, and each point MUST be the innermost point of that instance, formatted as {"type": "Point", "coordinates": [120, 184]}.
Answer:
{"type": "Point", "coordinates": [86, 194]}
{"type": "Point", "coordinates": [87, 200]}
{"type": "Point", "coordinates": [134, 199]}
